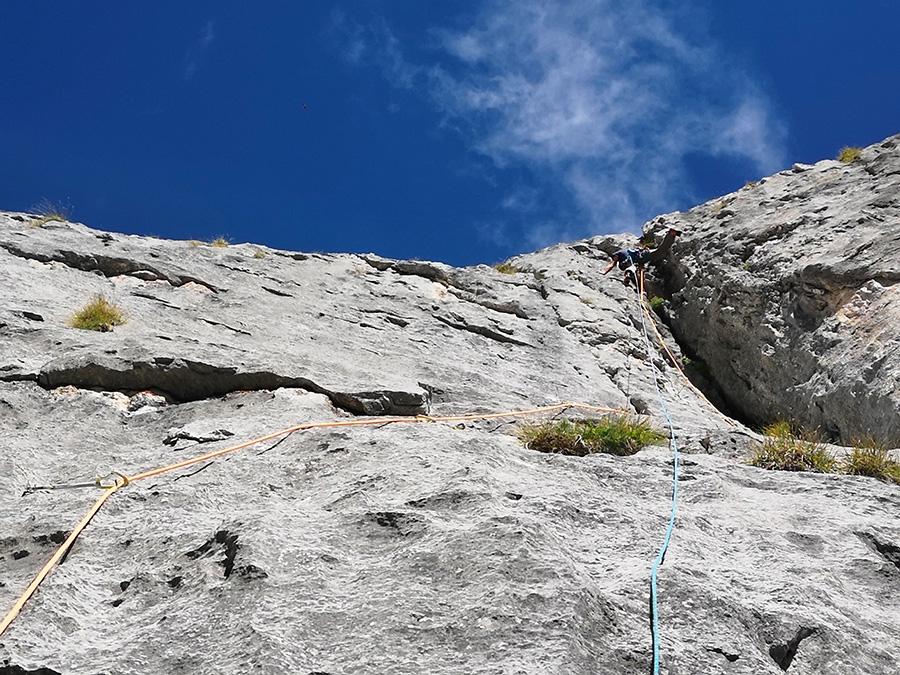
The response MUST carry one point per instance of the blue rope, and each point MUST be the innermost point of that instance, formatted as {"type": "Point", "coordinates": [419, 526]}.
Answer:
{"type": "Point", "coordinates": [654, 615]}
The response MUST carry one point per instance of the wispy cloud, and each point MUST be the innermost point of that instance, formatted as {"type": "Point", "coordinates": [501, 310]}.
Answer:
{"type": "Point", "coordinates": [198, 50]}
{"type": "Point", "coordinates": [374, 44]}
{"type": "Point", "coordinates": [603, 98]}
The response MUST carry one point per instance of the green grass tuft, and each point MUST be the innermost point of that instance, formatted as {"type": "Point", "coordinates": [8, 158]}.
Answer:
{"type": "Point", "coordinates": [656, 302]}
{"type": "Point", "coordinates": [784, 450]}
{"type": "Point", "coordinates": [613, 434]}
{"type": "Point", "coordinates": [870, 458]}
{"type": "Point", "coordinates": [48, 211]}
{"type": "Point", "coordinates": [99, 314]}
{"type": "Point", "coordinates": [219, 242]}
{"type": "Point", "coordinates": [779, 429]}
{"type": "Point", "coordinates": [849, 154]}
{"type": "Point", "coordinates": [506, 268]}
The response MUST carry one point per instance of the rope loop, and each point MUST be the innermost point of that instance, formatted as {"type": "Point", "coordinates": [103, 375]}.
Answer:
{"type": "Point", "coordinates": [122, 481]}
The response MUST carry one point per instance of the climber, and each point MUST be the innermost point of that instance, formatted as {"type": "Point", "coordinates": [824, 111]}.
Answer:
{"type": "Point", "coordinates": [630, 259]}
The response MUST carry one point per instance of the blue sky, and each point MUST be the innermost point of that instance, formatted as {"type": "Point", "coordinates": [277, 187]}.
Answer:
{"type": "Point", "coordinates": [458, 131]}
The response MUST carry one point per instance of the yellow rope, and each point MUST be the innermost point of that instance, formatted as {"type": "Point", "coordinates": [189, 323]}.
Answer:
{"type": "Point", "coordinates": [110, 489]}
{"type": "Point", "coordinates": [60, 552]}
{"type": "Point", "coordinates": [125, 480]}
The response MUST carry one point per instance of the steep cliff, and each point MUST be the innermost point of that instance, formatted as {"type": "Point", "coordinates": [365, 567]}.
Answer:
{"type": "Point", "coordinates": [447, 546]}
{"type": "Point", "coordinates": [787, 289]}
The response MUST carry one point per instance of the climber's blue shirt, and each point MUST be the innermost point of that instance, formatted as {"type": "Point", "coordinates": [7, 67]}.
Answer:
{"type": "Point", "coordinates": [636, 255]}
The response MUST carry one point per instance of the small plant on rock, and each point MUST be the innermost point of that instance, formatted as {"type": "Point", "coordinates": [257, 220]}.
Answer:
{"type": "Point", "coordinates": [219, 242]}
{"type": "Point", "coordinates": [848, 154]}
{"type": "Point", "coordinates": [259, 254]}
{"type": "Point", "coordinates": [695, 365]}
{"type": "Point", "coordinates": [722, 204]}
{"type": "Point", "coordinates": [99, 314]}
{"type": "Point", "coordinates": [48, 211]}
{"type": "Point", "coordinates": [613, 434]}
{"type": "Point", "coordinates": [871, 458]}
{"type": "Point", "coordinates": [656, 302]}
{"type": "Point", "coordinates": [784, 450]}
{"type": "Point", "coordinates": [506, 268]}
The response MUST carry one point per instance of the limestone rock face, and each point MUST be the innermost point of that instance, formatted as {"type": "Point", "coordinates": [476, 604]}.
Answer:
{"type": "Point", "coordinates": [422, 546]}
{"type": "Point", "coordinates": [787, 289]}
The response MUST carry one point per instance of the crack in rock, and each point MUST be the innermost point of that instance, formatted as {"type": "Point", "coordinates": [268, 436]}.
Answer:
{"type": "Point", "coordinates": [12, 669]}
{"type": "Point", "coordinates": [507, 307]}
{"type": "Point", "coordinates": [109, 266]}
{"type": "Point", "coordinates": [178, 438]}
{"type": "Point", "coordinates": [150, 296]}
{"type": "Point", "coordinates": [395, 522]}
{"type": "Point", "coordinates": [225, 325]}
{"type": "Point", "coordinates": [728, 655]}
{"type": "Point", "coordinates": [458, 322]}
{"type": "Point", "coordinates": [420, 268]}
{"type": "Point", "coordinates": [887, 551]}
{"type": "Point", "coordinates": [783, 653]}
{"type": "Point", "coordinates": [223, 540]}
{"type": "Point", "coordinates": [184, 380]}
{"type": "Point", "coordinates": [274, 291]}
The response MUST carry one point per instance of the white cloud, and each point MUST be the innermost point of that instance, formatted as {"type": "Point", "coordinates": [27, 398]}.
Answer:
{"type": "Point", "coordinates": [208, 35]}
{"type": "Point", "coordinates": [604, 98]}
{"type": "Point", "coordinates": [197, 50]}
{"type": "Point", "coordinates": [373, 44]}
{"type": "Point", "coordinates": [608, 96]}
{"type": "Point", "coordinates": [749, 131]}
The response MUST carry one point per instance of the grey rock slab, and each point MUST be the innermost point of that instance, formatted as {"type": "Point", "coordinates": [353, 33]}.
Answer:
{"type": "Point", "coordinates": [421, 546]}
{"type": "Point", "coordinates": [430, 547]}
{"type": "Point", "coordinates": [386, 337]}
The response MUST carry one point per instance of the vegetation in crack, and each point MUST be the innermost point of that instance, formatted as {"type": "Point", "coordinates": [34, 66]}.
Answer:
{"type": "Point", "coordinates": [47, 211]}
{"type": "Point", "coordinates": [612, 434]}
{"type": "Point", "coordinates": [849, 154]}
{"type": "Point", "coordinates": [870, 457]}
{"type": "Point", "coordinates": [98, 314]}
{"type": "Point", "coordinates": [786, 447]}
{"type": "Point", "coordinates": [506, 268]}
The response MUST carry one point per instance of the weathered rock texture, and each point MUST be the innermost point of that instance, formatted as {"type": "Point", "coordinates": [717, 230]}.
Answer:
{"type": "Point", "coordinates": [788, 290]}
{"type": "Point", "coordinates": [434, 547]}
